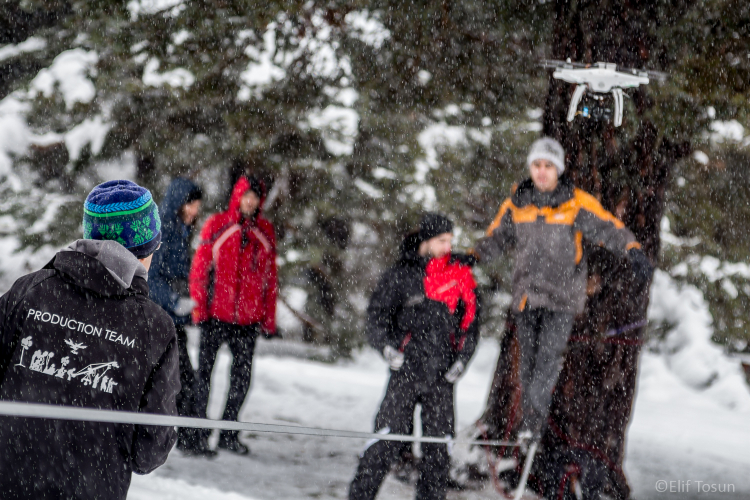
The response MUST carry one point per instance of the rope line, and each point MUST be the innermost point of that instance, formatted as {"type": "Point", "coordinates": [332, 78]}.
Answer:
{"type": "Point", "coordinates": [626, 328]}
{"type": "Point", "coordinates": [33, 410]}
{"type": "Point", "coordinates": [612, 336]}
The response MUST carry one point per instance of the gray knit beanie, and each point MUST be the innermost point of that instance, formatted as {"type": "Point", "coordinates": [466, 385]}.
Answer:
{"type": "Point", "coordinates": [548, 149]}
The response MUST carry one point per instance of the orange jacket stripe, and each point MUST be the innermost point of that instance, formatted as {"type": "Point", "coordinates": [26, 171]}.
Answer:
{"type": "Point", "coordinates": [522, 305]}
{"type": "Point", "coordinates": [507, 204]}
{"type": "Point", "coordinates": [591, 204]}
{"type": "Point", "coordinates": [564, 214]}
{"type": "Point", "coordinates": [579, 246]}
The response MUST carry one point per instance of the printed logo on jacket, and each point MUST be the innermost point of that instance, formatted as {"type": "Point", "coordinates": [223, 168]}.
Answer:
{"type": "Point", "coordinates": [93, 375]}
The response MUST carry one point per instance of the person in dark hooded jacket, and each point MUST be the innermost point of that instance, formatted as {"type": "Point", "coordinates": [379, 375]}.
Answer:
{"type": "Point", "coordinates": [170, 268]}
{"type": "Point", "coordinates": [168, 286]}
{"type": "Point", "coordinates": [82, 332]}
{"type": "Point", "coordinates": [234, 283]}
{"type": "Point", "coordinates": [423, 317]}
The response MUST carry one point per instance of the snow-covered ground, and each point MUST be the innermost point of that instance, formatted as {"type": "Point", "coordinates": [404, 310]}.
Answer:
{"type": "Point", "coordinates": [677, 433]}
{"type": "Point", "coordinates": [289, 390]}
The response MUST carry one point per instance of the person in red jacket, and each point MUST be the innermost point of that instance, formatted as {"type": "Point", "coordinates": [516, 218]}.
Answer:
{"type": "Point", "coordinates": [234, 284]}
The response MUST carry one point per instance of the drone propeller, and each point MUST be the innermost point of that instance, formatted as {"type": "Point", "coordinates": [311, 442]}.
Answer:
{"type": "Point", "coordinates": [554, 64]}
{"type": "Point", "coordinates": [660, 76]}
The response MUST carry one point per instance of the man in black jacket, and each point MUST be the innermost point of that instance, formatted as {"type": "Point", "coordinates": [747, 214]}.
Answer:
{"type": "Point", "coordinates": [422, 317]}
{"type": "Point", "coordinates": [83, 332]}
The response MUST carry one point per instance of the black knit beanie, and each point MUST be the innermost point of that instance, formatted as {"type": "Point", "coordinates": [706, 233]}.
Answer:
{"type": "Point", "coordinates": [433, 224]}
{"type": "Point", "coordinates": [257, 186]}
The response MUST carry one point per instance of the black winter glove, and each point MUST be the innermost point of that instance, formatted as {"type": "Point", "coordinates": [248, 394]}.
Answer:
{"type": "Point", "coordinates": [467, 259]}
{"type": "Point", "coordinates": [642, 268]}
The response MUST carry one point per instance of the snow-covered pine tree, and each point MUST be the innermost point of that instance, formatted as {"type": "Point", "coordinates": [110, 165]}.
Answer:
{"type": "Point", "coordinates": [358, 114]}
{"type": "Point", "coordinates": [348, 110]}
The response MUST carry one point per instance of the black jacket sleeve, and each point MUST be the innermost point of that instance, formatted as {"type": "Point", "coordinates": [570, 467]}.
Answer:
{"type": "Point", "coordinates": [384, 305]}
{"type": "Point", "coordinates": [471, 337]}
{"type": "Point", "coordinates": [152, 444]}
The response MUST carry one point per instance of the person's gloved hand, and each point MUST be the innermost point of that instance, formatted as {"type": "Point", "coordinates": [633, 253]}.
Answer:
{"type": "Point", "coordinates": [394, 357]}
{"type": "Point", "coordinates": [467, 259]}
{"type": "Point", "coordinates": [642, 268]}
{"type": "Point", "coordinates": [268, 335]}
{"type": "Point", "coordinates": [184, 306]}
{"type": "Point", "coordinates": [454, 372]}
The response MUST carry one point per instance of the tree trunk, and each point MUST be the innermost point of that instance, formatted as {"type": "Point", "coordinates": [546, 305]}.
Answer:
{"type": "Point", "coordinates": [627, 169]}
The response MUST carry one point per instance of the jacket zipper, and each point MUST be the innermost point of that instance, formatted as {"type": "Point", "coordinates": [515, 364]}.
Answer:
{"type": "Point", "coordinates": [238, 284]}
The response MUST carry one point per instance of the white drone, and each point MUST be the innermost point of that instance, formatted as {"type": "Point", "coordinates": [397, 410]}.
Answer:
{"type": "Point", "coordinates": [601, 78]}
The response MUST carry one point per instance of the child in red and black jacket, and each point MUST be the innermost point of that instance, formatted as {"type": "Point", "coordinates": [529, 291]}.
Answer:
{"type": "Point", "coordinates": [423, 318]}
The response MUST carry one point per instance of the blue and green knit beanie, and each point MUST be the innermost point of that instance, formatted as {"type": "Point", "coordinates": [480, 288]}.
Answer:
{"type": "Point", "coordinates": [124, 212]}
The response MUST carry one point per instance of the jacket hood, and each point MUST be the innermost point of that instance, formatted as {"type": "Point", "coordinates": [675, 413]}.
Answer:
{"type": "Point", "coordinates": [409, 251]}
{"type": "Point", "coordinates": [177, 194]}
{"type": "Point", "coordinates": [108, 269]}
{"type": "Point", "coordinates": [526, 194]}
{"type": "Point", "coordinates": [409, 248]}
{"type": "Point", "coordinates": [241, 187]}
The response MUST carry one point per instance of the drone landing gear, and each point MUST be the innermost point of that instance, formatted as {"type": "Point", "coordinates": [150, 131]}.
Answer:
{"type": "Point", "coordinates": [575, 101]}
{"type": "Point", "coordinates": [526, 470]}
{"type": "Point", "coordinates": [617, 95]}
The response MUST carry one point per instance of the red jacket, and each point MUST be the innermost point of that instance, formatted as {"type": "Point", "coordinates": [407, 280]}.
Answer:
{"type": "Point", "coordinates": [448, 282]}
{"type": "Point", "coordinates": [233, 277]}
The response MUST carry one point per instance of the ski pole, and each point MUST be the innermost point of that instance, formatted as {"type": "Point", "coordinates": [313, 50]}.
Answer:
{"type": "Point", "coordinates": [526, 470]}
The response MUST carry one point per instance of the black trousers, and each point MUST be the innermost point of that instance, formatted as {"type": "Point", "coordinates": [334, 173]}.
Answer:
{"type": "Point", "coordinates": [241, 341]}
{"type": "Point", "coordinates": [396, 417]}
{"type": "Point", "coordinates": [542, 336]}
{"type": "Point", "coordinates": [185, 398]}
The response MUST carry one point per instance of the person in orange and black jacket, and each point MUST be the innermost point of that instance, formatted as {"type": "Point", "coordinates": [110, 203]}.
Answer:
{"type": "Point", "coordinates": [546, 219]}
{"type": "Point", "coordinates": [423, 318]}
{"type": "Point", "coordinates": [234, 283]}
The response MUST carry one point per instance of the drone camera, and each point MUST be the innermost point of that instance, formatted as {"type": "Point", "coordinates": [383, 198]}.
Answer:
{"type": "Point", "coordinates": [596, 109]}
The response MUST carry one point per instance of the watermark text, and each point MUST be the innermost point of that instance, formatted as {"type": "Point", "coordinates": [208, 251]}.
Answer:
{"type": "Point", "coordinates": [691, 486]}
